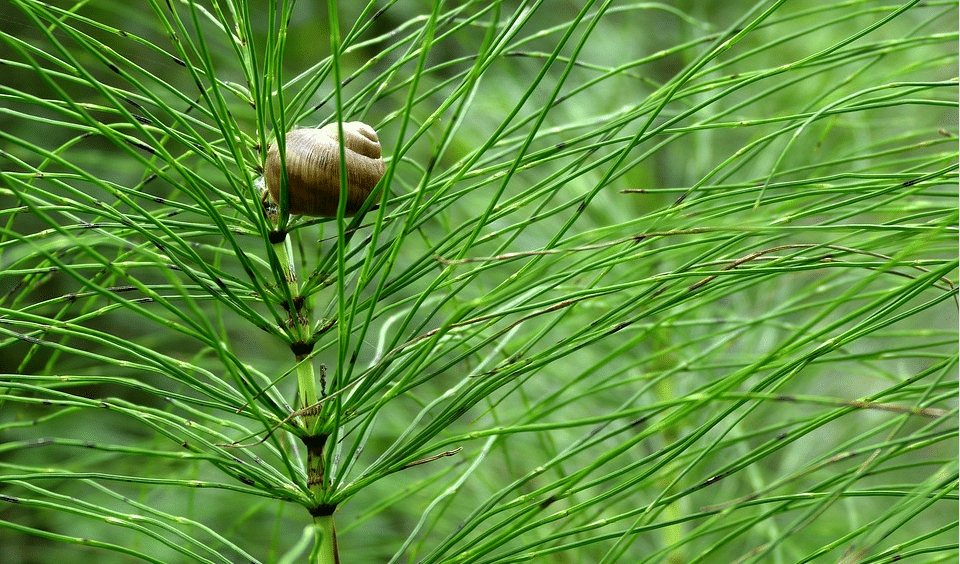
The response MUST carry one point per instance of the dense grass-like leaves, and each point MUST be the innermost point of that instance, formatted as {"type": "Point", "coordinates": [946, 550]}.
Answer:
{"type": "Point", "coordinates": [647, 283]}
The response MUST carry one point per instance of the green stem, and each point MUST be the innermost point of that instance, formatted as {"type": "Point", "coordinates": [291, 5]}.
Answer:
{"type": "Point", "coordinates": [325, 547]}
{"type": "Point", "coordinates": [301, 323]}
{"type": "Point", "coordinates": [307, 386]}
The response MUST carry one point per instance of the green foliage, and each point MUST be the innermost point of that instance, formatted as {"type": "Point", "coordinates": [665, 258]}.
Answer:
{"type": "Point", "coordinates": [648, 283]}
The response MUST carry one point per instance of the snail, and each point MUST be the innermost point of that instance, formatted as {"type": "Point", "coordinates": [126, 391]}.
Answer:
{"type": "Point", "coordinates": [313, 168]}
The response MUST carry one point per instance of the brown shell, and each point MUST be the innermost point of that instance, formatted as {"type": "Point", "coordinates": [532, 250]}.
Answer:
{"type": "Point", "coordinates": [313, 168]}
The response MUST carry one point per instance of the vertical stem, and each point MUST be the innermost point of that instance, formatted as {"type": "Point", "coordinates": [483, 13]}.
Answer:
{"type": "Point", "coordinates": [301, 322]}
{"type": "Point", "coordinates": [325, 548]}
{"type": "Point", "coordinates": [306, 385]}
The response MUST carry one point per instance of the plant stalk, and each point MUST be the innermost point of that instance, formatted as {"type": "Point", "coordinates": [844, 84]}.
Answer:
{"type": "Point", "coordinates": [325, 546]}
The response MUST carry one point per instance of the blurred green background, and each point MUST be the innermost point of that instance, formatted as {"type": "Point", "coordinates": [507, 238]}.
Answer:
{"type": "Point", "coordinates": [648, 45]}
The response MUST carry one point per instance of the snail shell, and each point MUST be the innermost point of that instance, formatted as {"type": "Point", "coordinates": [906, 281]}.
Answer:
{"type": "Point", "coordinates": [313, 168]}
